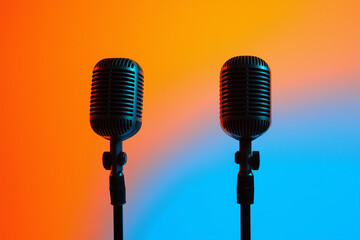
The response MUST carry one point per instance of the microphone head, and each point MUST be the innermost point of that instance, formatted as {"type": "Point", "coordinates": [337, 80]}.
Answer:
{"type": "Point", "coordinates": [116, 98]}
{"type": "Point", "coordinates": [245, 97]}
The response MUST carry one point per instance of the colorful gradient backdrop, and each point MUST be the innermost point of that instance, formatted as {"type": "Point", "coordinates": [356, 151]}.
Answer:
{"type": "Point", "coordinates": [180, 175]}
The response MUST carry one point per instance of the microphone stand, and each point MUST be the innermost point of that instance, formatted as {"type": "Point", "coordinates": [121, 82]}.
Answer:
{"type": "Point", "coordinates": [248, 161]}
{"type": "Point", "coordinates": [114, 161]}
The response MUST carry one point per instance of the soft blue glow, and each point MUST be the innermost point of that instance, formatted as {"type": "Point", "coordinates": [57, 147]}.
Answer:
{"type": "Point", "coordinates": [307, 186]}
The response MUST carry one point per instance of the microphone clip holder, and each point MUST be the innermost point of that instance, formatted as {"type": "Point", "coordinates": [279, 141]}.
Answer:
{"type": "Point", "coordinates": [248, 161]}
{"type": "Point", "coordinates": [114, 161]}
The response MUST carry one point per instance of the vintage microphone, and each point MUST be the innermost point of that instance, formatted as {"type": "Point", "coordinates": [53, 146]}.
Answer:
{"type": "Point", "coordinates": [115, 114]}
{"type": "Point", "coordinates": [245, 115]}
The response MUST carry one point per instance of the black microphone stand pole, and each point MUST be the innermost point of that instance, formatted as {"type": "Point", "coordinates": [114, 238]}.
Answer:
{"type": "Point", "coordinates": [248, 161]}
{"type": "Point", "coordinates": [114, 161]}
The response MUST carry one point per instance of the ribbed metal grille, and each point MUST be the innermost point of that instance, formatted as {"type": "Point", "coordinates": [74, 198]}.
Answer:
{"type": "Point", "coordinates": [246, 60]}
{"type": "Point", "coordinates": [245, 97]}
{"type": "Point", "coordinates": [245, 92]}
{"type": "Point", "coordinates": [112, 92]}
{"type": "Point", "coordinates": [245, 128]}
{"type": "Point", "coordinates": [116, 98]}
{"type": "Point", "coordinates": [139, 98]}
{"type": "Point", "coordinates": [117, 62]}
{"type": "Point", "coordinates": [111, 127]}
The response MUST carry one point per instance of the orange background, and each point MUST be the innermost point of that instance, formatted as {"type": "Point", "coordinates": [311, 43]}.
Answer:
{"type": "Point", "coordinates": [52, 183]}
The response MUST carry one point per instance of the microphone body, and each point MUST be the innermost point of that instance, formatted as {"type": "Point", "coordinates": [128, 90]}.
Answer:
{"type": "Point", "coordinates": [116, 98]}
{"type": "Point", "coordinates": [245, 97]}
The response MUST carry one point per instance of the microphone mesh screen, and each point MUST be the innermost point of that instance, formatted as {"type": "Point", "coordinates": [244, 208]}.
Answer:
{"type": "Point", "coordinates": [116, 98]}
{"type": "Point", "coordinates": [245, 97]}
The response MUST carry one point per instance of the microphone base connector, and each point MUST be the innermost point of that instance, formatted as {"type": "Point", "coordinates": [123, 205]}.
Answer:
{"type": "Point", "coordinates": [245, 189]}
{"type": "Point", "coordinates": [117, 189]}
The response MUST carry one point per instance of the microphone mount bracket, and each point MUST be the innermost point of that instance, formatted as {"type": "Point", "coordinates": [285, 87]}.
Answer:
{"type": "Point", "coordinates": [248, 161]}
{"type": "Point", "coordinates": [121, 160]}
{"type": "Point", "coordinates": [114, 161]}
{"type": "Point", "coordinates": [254, 159]}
